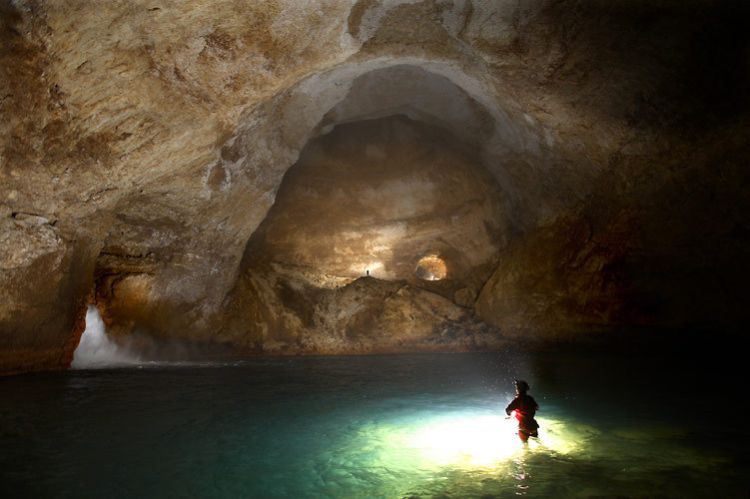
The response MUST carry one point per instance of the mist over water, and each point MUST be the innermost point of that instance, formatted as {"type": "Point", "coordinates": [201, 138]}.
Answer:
{"type": "Point", "coordinates": [96, 350]}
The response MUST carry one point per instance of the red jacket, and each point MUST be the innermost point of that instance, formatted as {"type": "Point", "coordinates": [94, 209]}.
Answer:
{"type": "Point", "coordinates": [525, 407]}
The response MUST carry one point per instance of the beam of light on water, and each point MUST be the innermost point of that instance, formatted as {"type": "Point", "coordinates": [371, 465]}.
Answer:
{"type": "Point", "coordinates": [96, 350]}
{"type": "Point", "coordinates": [459, 453]}
{"type": "Point", "coordinates": [479, 441]}
{"type": "Point", "coordinates": [465, 440]}
{"type": "Point", "coordinates": [414, 452]}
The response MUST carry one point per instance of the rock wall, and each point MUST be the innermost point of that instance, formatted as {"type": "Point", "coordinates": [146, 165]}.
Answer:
{"type": "Point", "coordinates": [143, 143]}
{"type": "Point", "coordinates": [664, 248]}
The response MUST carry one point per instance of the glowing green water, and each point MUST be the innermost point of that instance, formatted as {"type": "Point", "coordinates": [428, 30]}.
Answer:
{"type": "Point", "coordinates": [391, 426]}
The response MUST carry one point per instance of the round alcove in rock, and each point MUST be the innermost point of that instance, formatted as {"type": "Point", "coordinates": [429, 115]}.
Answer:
{"type": "Point", "coordinates": [431, 268]}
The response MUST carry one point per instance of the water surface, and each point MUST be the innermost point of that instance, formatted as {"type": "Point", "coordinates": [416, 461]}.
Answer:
{"type": "Point", "coordinates": [380, 426]}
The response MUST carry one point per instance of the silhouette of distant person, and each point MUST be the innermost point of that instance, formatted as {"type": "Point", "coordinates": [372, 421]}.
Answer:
{"type": "Point", "coordinates": [368, 272]}
{"type": "Point", "coordinates": [525, 408]}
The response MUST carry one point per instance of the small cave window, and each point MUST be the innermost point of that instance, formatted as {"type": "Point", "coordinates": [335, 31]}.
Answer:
{"type": "Point", "coordinates": [431, 268]}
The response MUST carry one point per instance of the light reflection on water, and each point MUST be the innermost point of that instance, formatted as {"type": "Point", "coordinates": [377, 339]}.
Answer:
{"type": "Point", "coordinates": [390, 426]}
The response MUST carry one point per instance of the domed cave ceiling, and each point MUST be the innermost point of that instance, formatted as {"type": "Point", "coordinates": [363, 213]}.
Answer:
{"type": "Point", "coordinates": [370, 176]}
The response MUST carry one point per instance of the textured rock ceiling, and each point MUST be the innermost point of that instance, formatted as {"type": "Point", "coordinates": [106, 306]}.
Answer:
{"type": "Point", "coordinates": [598, 152]}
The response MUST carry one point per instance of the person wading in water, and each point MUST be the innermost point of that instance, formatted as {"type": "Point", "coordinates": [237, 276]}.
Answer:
{"type": "Point", "coordinates": [525, 408]}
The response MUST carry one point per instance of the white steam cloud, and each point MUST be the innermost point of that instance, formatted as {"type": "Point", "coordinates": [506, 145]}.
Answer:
{"type": "Point", "coordinates": [96, 350]}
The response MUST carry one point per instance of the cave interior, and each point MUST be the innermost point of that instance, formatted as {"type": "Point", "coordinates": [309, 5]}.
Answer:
{"type": "Point", "coordinates": [337, 180]}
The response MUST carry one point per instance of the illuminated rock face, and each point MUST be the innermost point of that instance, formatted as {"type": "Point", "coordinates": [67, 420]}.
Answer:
{"type": "Point", "coordinates": [142, 145]}
{"type": "Point", "coordinates": [280, 314]}
{"type": "Point", "coordinates": [371, 198]}
{"type": "Point", "coordinates": [374, 197]}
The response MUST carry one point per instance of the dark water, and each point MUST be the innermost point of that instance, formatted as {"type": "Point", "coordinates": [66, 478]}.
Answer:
{"type": "Point", "coordinates": [383, 426]}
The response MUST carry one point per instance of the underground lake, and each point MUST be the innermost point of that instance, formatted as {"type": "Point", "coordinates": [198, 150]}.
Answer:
{"type": "Point", "coordinates": [421, 425]}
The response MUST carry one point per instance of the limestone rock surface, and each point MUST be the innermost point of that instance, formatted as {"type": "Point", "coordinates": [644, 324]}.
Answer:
{"type": "Point", "coordinates": [142, 145]}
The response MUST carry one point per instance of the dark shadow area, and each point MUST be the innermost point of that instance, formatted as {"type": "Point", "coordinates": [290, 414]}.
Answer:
{"type": "Point", "coordinates": [680, 65]}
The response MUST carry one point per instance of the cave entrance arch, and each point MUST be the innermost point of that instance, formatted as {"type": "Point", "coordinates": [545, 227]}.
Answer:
{"type": "Point", "coordinates": [393, 171]}
{"type": "Point", "coordinates": [436, 98]}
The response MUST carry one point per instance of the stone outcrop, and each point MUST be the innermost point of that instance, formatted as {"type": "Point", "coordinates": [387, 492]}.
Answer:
{"type": "Point", "coordinates": [142, 145]}
{"type": "Point", "coordinates": [280, 315]}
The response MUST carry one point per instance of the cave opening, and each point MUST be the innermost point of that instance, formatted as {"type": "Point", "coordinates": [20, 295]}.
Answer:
{"type": "Point", "coordinates": [401, 163]}
{"type": "Point", "coordinates": [379, 195]}
{"type": "Point", "coordinates": [391, 185]}
{"type": "Point", "coordinates": [431, 268]}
